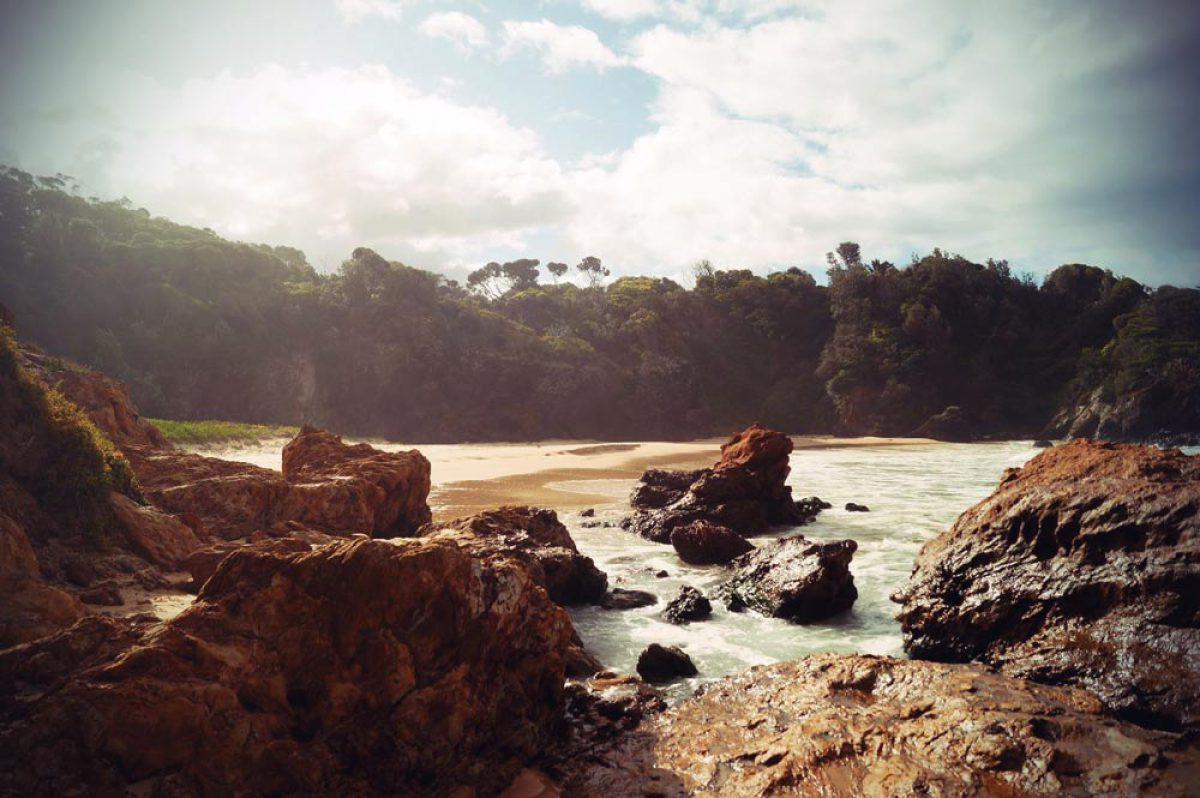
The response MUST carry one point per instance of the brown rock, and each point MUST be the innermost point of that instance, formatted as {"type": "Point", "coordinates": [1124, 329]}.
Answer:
{"type": "Point", "coordinates": [745, 491]}
{"type": "Point", "coordinates": [705, 543]}
{"type": "Point", "coordinates": [105, 401]}
{"type": "Point", "coordinates": [363, 667]}
{"type": "Point", "coordinates": [537, 538]}
{"type": "Point", "coordinates": [794, 578]}
{"type": "Point", "coordinates": [29, 606]}
{"type": "Point", "coordinates": [658, 663]}
{"type": "Point", "coordinates": [837, 725]}
{"type": "Point", "coordinates": [152, 534]}
{"type": "Point", "coordinates": [1082, 568]}
{"type": "Point", "coordinates": [357, 487]}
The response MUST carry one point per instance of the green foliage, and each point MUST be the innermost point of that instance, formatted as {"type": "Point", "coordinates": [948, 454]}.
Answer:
{"type": "Point", "coordinates": [214, 432]}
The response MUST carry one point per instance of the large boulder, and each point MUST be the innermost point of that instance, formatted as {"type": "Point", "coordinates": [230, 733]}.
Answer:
{"type": "Point", "coordinates": [363, 667]}
{"type": "Point", "coordinates": [688, 605]}
{"type": "Point", "coordinates": [706, 543]}
{"type": "Point", "coordinates": [154, 535]}
{"type": "Point", "coordinates": [1082, 568]}
{"type": "Point", "coordinates": [326, 484]}
{"type": "Point", "coordinates": [794, 578]}
{"type": "Point", "coordinates": [30, 607]}
{"type": "Point", "coordinates": [538, 539]}
{"type": "Point", "coordinates": [659, 663]}
{"type": "Point", "coordinates": [837, 725]}
{"type": "Point", "coordinates": [341, 486]}
{"type": "Point", "coordinates": [744, 491]}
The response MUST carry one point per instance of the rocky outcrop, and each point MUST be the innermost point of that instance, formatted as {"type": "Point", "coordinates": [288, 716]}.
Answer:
{"type": "Point", "coordinates": [105, 401]}
{"type": "Point", "coordinates": [688, 605]}
{"type": "Point", "coordinates": [155, 536]}
{"type": "Point", "coordinates": [326, 484]}
{"type": "Point", "coordinates": [706, 543]}
{"type": "Point", "coordinates": [621, 599]}
{"type": "Point", "coordinates": [658, 663]}
{"type": "Point", "coordinates": [336, 485]}
{"type": "Point", "coordinates": [839, 725]}
{"type": "Point", "coordinates": [794, 578]}
{"type": "Point", "coordinates": [540, 541]}
{"type": "Point", "coordinates": [1082, 568]}
{"type": "Point", "coordinates": [952, 424]}
{"type": "Point", "coordinates": [745, 491]}
{"type": "Point", "coordinates": [30, 607]}
{"type": "Point", "coordinates": [363, 667]}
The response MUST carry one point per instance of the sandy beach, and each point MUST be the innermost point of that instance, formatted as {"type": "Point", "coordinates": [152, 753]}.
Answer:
{"type": "Point", "coordinates": [571, 475]}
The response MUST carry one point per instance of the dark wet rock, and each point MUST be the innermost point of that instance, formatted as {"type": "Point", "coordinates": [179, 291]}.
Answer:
{"type": "Point", "coordinates": [706, 543]}
{"type": "Point", "coordinates": [622, 599]}
{"type": "Point", "coordinates": [812, 506]}
{"type": "Point", "coordinates": [664, 663]}
{"type": "Point", "coordinates": [851, 507]}
{"type": "Point", "coordinates": [847, 725]}
{"type": "Point", "coordinates": [588, 513]}
{"type": "Point", "coordinates": [1041, 443]}
{"type": "Point", "coordinates": [952, 424]}
{"type": "Point", "coordinates": [1082, 568]}
{"type": "Point", "coordinates": [540, 540]}
{"type": "Point", "coordinates": [745, 491]}
{"type": "Point", "coordinates": [794, 578]}
{"type": "Point", "coordinates": [688, 605]}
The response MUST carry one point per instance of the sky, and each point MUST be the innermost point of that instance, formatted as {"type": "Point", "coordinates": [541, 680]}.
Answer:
{"type": "Point", "coordinates": [650, 133]}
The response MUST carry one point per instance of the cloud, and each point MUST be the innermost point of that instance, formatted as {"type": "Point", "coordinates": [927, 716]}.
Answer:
{"type": "Point", "coordinates": [560, 46]}
{"type": "Point", "coordinates": [336, 158]}
{"type": "Point", "coordinates": [353, 11]}
{"type": "Point", "coordinates": [463, 30]}
{"type": "Point", "coordinates": [623, 10]}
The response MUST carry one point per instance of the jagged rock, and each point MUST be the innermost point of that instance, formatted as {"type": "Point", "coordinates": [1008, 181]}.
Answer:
{"type": "Point", "coordinates": [852, 507]}
{"type": "Point", "coordinates": [600, 709]}
{"type": "Point", "coordinates": [812, 506]}
{"type": "Point", "coordinates": [744, 491]}
{"type": "Point", "coordinates": [363, 667]}
{"type": "Point", "coordinates": [29, 606]}
{"type": "Point", "coordinates": [688, 605]}
{"type": "Point", "coordinates": [659, 663]}
{"type": "Point", "coordinates": [1082, 568]}
{"type": "Point", "coordinates": [104, 400]}
{"type": "Point", "coordinates": [326, 484]}
{"type": "Point", "coordinates": [1042, 443]}
{"type": "Point", "coordinates": [621, 599]}
{"type": "Point", "coordinates": [202, 563]}
{"type": "Point", "coordinates": [158, 537]}
{"type": "Point", "coordinates": [588, 513]}
{"type": "Point", "coordinates": [705, 543]}
{"type": "Point", "coordinates": [538, 539]}
{"type": "Point", "coordinates": [794, 578]}
{"type": "Point", "coordinates": [838, 725]}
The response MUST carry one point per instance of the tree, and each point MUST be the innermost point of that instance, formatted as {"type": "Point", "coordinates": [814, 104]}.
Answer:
{"type": "Point", "coordinates": [497, 279]}
{"type": "Point", "coordinates": [557, 269]}
{"type": "Point", "coordinates": [595, 272]}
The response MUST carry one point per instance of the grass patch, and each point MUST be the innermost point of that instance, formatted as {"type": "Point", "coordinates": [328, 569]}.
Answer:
{"type": "Point", "coordinates": [194, 432]}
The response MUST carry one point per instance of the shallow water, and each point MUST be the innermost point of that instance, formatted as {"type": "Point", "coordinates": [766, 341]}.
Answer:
{"type": "Point", "coordinates": [914, 493]}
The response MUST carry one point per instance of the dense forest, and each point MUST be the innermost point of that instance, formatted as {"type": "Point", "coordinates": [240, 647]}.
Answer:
{"type": "Point", "coordinates": [202, 327]}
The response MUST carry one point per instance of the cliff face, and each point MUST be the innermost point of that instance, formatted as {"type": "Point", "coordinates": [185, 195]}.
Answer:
{"type": "Point", "coordinates": [1082, 568]}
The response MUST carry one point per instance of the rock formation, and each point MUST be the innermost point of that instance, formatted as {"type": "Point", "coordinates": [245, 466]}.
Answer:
{"type": "Point", "coordinates": [660, 663]}
{"type": "Point", "coordinates": [794, 578]}
{"type": "Point", "coordinates": [688, 605]}
{"type": "Point", "coordinates": [326, 484]}
{"type": "Point", "coordinates": [538, 539]}
{"type": "Point", "coordinates": [706, 543]}
{"type": "Point", "coordinates": [1082, 568]}
{"type": "Point", "coordinates": [363, 667]}
{"type": "Point", "coordinates": [745, 491]}
{"type": "Point", "coordinates": [842, 725]}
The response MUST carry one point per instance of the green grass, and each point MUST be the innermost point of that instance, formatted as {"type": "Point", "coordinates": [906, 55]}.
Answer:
{"type": "Point", "coordinates": [193, 432]}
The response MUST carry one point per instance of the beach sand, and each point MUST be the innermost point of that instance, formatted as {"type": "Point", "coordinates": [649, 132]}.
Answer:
{"type": "Point", "coordinates": [570, 475]}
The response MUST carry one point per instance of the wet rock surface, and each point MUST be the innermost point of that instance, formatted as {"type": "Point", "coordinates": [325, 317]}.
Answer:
{"type": "Point", "coordinates": [660, 663]}
{"type": "Point", "coordinates": [620, 598]}
{"type": "Point", "coordinates": [1082, 568]}
{"type": "Point", "coordinates": [688, 605]}
{"type": "Point", "coordinates": [706, 543]}
{"type": "Point", "coordinates": [794, 578]}
{"type": "Point", "coordinates": [363, 667]}
{"type": "Point", "coordinates": [744, 491]}
{"type": "Point", "coordinates": [538, 539]}
{"type": "Point", "coordinates": [841, 725]}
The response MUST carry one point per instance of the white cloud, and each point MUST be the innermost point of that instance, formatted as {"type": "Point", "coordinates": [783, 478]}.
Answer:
{"type": "Point", "coordinates": [624, 10]}
{"type": "Point", "coordinates": [463, 30]}
{"type": "Point", "coordinates": [337, 158]}
{"type": "Point", "coordinates": [357, 10]}
{"type": "Point", "coordinates": [560, 46]}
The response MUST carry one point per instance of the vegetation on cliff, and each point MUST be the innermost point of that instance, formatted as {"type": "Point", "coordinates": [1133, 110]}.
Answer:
{"type": "Point", "coordinates": [219, 432]}
{"type": "Point", "coordinates": [201, 327]}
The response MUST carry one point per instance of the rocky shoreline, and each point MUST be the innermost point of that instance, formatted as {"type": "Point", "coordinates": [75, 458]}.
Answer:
{"type": "Point", "coordinates": [341, 643]}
